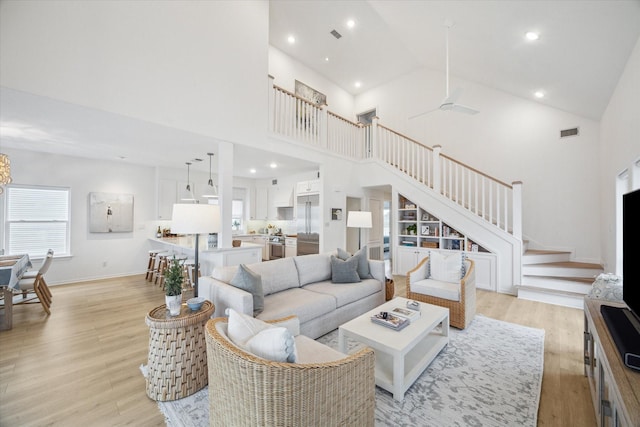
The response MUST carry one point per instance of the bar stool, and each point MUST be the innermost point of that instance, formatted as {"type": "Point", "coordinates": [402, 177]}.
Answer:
{"type": "Point", "coordinates": [151, 264]}
{"type": "Point", "coordinates": [190, 266]}
{"type": "Point", "coordinates": [161, 264]}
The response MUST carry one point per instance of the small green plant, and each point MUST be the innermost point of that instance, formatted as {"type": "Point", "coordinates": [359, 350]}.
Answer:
{"type": "Point", "coordinates": [413, 228]}
{"type": "Point", "coordinates": [173, 278]}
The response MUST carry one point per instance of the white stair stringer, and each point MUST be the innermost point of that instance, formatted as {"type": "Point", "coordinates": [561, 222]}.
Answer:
{"type": "Point", "coordinates": [508, 249]}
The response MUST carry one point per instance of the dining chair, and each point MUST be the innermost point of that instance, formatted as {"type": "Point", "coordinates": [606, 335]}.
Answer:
{"type": "Point", "coordinates": [34, 289]}
{"type": "Point", "coordinates": [46, 263]}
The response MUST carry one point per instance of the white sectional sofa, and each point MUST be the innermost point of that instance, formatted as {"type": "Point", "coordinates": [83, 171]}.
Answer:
{"type": "Point", "coordinates": [302, 286]}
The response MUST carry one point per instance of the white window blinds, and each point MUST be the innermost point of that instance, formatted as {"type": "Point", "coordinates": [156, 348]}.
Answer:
{"type": "Point", "coordinates": [37, 219]}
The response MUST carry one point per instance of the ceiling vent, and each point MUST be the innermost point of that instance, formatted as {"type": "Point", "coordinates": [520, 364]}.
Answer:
{"type": "Point", "coordinates": [336, 34]}
{"type": "Point", "coordinates": [274, 182]}
{"type": "Point", "coordinates": [569, 132]}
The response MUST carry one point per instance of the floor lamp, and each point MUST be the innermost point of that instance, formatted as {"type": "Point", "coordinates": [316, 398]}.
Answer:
{"type": "Point", "coordinates": [195, 219]}
{"type": "Point", "coordinates": [359, 220]}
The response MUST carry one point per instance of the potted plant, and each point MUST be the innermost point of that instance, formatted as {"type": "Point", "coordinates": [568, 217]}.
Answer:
{"type": "Point", "coordinates": [173, 286]}
{"type": "Point", "coordinates": [412, 229]}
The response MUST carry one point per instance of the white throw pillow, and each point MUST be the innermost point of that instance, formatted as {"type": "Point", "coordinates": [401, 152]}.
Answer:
{"type": "Point", "coordinates": [445, 267]}
{"type": "Point", "coordinates": [260, 338]}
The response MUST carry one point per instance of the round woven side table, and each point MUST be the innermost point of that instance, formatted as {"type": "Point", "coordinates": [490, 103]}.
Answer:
{"type": "Point", "coordinates": [177, 365]}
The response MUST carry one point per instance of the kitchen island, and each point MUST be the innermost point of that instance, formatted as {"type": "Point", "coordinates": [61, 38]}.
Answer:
{"type": "Point", "coordinates": [246, 253]}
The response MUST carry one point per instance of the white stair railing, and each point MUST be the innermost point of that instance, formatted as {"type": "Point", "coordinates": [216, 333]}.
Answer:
{"type": "Point", "coordinates": [489, 198]}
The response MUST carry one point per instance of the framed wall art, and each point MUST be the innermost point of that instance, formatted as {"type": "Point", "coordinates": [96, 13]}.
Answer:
{"type": "Point", "coordinates": [110, 213]}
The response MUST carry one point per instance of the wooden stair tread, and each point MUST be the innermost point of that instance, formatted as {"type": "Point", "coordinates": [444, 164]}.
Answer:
{"type": "Point", "coordinates": [543, 252]}
{"type": "Point", "coordinates": [568, 264]}
{"type": "Point", "coordinates": [586, 280]}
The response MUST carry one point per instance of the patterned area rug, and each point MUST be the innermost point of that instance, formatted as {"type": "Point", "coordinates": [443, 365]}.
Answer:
{"type": "Point", "coordinates": [489, 375]}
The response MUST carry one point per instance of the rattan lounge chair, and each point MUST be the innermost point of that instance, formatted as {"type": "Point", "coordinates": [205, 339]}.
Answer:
{"type": "Point", "coordinates": [462, 309]}
{"type": "Point", "coordinates": [246, 390]}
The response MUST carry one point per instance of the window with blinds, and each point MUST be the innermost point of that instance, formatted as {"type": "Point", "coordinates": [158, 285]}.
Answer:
{"type": "Point", "coordinates": [37, 219]}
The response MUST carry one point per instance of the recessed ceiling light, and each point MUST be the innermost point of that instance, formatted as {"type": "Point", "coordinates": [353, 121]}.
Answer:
{"type": "Point", "coordinates": [538, 94]}
{"type": "Point", "coordinates": [291, 39]}
{"type": "Point", "coordinates": [252, 170]}
{"type": "Point", "coordinates": [532, 35]}
{"type": "Point", "coordinates": [357, 84]}
{"type": "Point", "coordinates": [351, 23]}
{"type": "Point", "coordinates": [273, 165]}
{"type": "Point", "coordinates": [326, 58]}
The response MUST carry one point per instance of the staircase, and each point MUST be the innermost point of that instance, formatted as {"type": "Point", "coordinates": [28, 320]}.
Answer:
{"type": "Point", "coordinates": [475, 203]}
{"type": "Point", "coordinates": [550, 277]}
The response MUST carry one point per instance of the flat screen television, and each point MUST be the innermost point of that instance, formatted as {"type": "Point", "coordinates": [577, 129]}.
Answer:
{"type": "Point", "coordinates": [631, 251]}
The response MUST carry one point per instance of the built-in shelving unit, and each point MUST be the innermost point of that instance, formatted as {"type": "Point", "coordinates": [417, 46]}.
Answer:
{"type": "Point", "coordinates": [419, 228]}
{"type": "Point", "coordinates": [418, 232]}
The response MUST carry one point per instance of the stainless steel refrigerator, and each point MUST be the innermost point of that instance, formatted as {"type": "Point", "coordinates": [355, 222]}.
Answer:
{"type": "Point", "coordinates": [308, 221]}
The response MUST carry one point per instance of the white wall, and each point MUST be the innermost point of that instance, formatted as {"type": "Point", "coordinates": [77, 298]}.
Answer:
{"type": "Point", "coordinates": [619, 147]}
{"type": "Point", "coordinates": [123, 253]}
{"type": "Point", "coordinates": [512, 139]}
{"type": "Point", "coordinates": [286, 71]}
{"type": "Point", "coordinates": [168, 62]}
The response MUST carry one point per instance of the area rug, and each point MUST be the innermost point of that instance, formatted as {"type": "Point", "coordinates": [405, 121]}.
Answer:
{"type": "Point", "coordinates": [490, 374]}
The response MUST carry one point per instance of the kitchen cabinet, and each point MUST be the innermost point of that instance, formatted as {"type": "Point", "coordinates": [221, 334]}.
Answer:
{"type": "Point", "coordinates": [260, 208]}
{"type": "Point", "coordinates": [290, 247]}
{"type": "Point", "coordinates": [167, 196]}
{"type": "Point", "coordinates": [308, 187]}
{"type": "Point", "coordinates": [257, 239]}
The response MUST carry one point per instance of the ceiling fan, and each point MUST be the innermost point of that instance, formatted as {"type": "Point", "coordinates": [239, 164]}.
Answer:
{"type": "Point", "coordinates": [449, 102]}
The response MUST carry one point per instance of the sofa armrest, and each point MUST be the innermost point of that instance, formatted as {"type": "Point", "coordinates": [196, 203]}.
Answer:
{"type": "Point", "coordinates": [224, 296]}
{"type": "Point", "coordinates": [376, 267]}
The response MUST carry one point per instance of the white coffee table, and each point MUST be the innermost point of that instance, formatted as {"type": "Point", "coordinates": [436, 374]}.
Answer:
{"type": "Point", "coordinates": [401, 356]}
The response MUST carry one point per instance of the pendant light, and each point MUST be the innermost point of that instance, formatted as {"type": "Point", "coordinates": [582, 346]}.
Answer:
{"type": "Point", "coordinates": [212, 190]}
{"type": "Point", "coordinates": [188, 194]}
{"type": "Point", "coordinates": [188, 180]}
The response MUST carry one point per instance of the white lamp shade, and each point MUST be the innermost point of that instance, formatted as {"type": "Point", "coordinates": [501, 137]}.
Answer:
{"type": "Point", "coordinates": [359, 219]}
{"type": "Point", "coordinates": [195, 219]}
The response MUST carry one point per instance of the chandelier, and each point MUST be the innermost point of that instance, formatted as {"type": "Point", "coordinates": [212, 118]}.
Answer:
{"type": "Point", "coordinates": [5, 170]}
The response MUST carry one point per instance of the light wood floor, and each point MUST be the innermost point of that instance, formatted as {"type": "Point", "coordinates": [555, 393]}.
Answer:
{"type": "Point", "coordinates": [80, 365]}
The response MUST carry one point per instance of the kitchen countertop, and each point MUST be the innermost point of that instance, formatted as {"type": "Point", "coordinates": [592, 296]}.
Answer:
{"type": "Point", "coordinates": [188, 242]}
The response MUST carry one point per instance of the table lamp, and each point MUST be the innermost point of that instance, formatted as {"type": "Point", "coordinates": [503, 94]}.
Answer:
{"type": "Point", "coordinates": [360, 220]}
{"type": "Point", "coordinates": [195, 219]}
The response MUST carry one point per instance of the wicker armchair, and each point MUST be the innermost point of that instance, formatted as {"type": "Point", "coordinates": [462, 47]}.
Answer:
{"type": "Point", "coordinates": [245, 390]}
{"type": "Point", "coordinates": [461, 310]}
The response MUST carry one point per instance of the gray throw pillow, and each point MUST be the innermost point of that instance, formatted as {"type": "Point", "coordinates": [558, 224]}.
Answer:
{"type": "Point", "coordinates": [251, 282]}
{"type": "Point", "coordinates": [363, 262]}
{"type": "Point", "coordinates": [344, 271]}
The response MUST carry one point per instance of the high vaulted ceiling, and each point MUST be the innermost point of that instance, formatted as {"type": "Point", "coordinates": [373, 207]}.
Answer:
{"type": "Point", "coordinates": [581, 53]}
{"type": "Point", "coordinates": [582, 50]}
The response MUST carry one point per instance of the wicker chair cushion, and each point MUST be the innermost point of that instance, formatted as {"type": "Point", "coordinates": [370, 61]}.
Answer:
{"type": "Point", "coordinates": [363, 261]}
{"type": "Point", "coordinates": [421, 272]}
{"type": "Point", "coordinates": [344, 271]}
{"type": "Point", "coordinates": [445, 267]}
{"type": "Point", "coordinates": [437, 288]}
{"type": "Point", "coordinates": [251, 282]}
{"type": "Point", "coordinates": [275, 343]}
{"type": "Point", "coordinates": [310, 351]}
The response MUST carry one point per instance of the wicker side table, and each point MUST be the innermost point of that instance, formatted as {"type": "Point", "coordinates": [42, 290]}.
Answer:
{"type": "Point", "coordinates": [177, 365]}
{"type": "Point", "coordinates": [390, 289]}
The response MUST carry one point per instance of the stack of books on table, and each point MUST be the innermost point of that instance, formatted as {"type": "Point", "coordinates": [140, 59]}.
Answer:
{"type": "Point", "coordinates": [390, 321]}
{"type": "Point", "coordinates": [406, 313]}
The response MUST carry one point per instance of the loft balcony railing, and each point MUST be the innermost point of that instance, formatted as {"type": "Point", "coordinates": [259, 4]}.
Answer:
{"type": "Point", "coordinates": [489, 198]}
